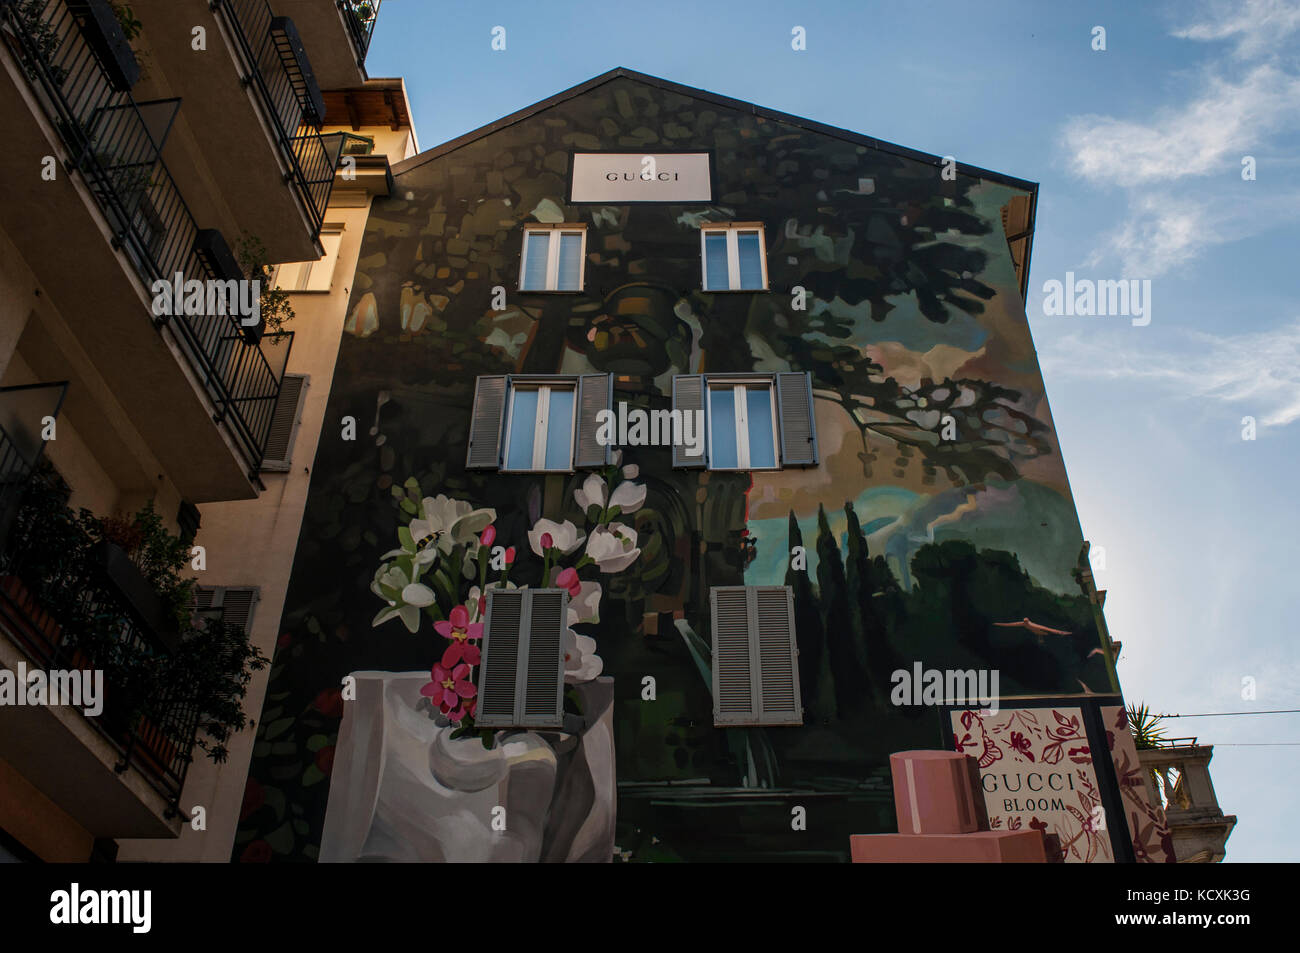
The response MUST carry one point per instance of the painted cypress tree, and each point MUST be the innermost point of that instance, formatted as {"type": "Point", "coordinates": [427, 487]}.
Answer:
{"type": "Point", "coordinates": [868, 592]}
{"type": "Point", "coordinates": [852, 688]}
{"type": "Point", "coordinates": [814, 675]}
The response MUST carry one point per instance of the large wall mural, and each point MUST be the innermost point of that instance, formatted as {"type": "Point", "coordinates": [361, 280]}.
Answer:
{"type": "Point", "coordinates": [959, 553]}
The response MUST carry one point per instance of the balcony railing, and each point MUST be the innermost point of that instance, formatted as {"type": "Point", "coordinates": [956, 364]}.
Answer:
{"type": "Point", "coordinates": [115, 144]}
{"type": "Point", "coordinates": [275, 67]}
{"type": "Point", "coordinates": [62, 607]}
{"type": "Point", "coordinates": [360, 16]}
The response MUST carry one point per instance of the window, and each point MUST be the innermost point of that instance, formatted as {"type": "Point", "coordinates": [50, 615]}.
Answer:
{"type": "Point", "coordinates": [540, 423]}
{"type": "Point", "coordinates": [734, 257]}
{"type": "Point", "coordinates": [522, 682]}
{"type": "Point", "coordinates": [315, 275]}
{"type": "Point", "coordinates": [743, 431]}
{"type": "Point", "coordinates": [750, 421]}
{"type": "Point", "coordinates": [232, 604]}
{"type": "Point", "coordinates": [284, 423]}
{"type": "Point", "coordinates": [553, 258]}
{"type": "Point", "coordinates": [539, 427]}
{"type": "Point", "coordinates": [755, 656]}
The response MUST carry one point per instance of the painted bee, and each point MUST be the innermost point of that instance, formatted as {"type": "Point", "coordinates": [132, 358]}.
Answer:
{"type": "Point", "coordinates": [424, 542]}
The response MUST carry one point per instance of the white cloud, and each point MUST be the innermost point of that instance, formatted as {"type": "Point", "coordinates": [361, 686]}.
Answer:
{"type": "Point", "coordinates": [1257, 26]}
{"type": "Point", "coordinates": [1258, 371]}
{"type": "Point", "coordinates": [1182, 165]}
{"type": "Point", "coordinates": [1206, 135]}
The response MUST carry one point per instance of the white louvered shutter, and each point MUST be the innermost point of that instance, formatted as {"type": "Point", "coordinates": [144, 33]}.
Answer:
{"type": "Point", "coordinates": [733, 665]}
{"type": "Point", "coordinates": [798, 423]}
{"type": "Point", "coordinates": [688, 398]}
{"type": "Point", "coordinates": [755, 658]}
{"type": "Point", "coordinates": [778, 667]}
{"type": "Point", "coordinates": [485, 423]}
{"type": "Point", "coordinates": [595, 393]}
{"type": "Point", "coordinates": [234, 602]}
{"type": "Point", "coordinates": [284, 423]}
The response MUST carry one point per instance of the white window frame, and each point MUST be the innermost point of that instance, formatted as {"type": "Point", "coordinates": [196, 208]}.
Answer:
{"type": "Point", "coordinates": [740, 403]}
{"type": "Point", "coordinates": [541, 424]}
{"type": "Point", "coordinates": [733, 230]}
{"type": "Point", "coordinates": [552, 233]}
{"type": "Point", "coordinates": [302, 271]}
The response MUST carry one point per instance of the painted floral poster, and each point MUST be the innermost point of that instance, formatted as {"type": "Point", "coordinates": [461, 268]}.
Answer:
{"type": "Point", "coordinates": [1152, 842]}
{"type": "Point", "coordinates": [1036, 770]}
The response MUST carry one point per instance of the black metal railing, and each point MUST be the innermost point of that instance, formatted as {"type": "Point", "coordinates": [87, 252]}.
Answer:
{"type": "Point", "coordinates": [290, 101]}
{"type": "Point", "coordinates": [58, 603]}
{"type": "Point", "coordinates": [360, 16]}
{"type": "Point", "coordinates": [111, 142]}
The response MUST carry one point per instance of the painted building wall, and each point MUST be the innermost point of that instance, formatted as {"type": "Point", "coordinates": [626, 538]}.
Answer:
{"type": "Point", "coordinates": [917, 546]}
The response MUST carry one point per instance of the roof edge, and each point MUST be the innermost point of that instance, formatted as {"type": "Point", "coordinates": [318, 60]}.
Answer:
{"type": "Point", "coordinates": [725, 101]}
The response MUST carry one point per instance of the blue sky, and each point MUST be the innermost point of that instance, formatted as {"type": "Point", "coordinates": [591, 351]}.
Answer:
{"type": "Point", "coordinates": [1138, 151]}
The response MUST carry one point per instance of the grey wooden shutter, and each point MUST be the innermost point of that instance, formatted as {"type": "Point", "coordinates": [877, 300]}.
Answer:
{"type": "Point", "coordinates": [595, 393]}
{"type": "Point", "coordinates": [688, 398]}
{"type": "Point", "coordinates": [794, 401]}
{"type": "Point", "coordinates": [486, 420]}
{"type": "Point", "coordinates": [733, 664]}
{"type": "Point", "coordinates": [773, 620]}
{"type": "Point", "coordinates": [755, 658]}
{"type": "Point", "coordinates": [284, 423]}
{"type": "Point", "coordinates": [502, 635]}
{"type": "Point", "coordinates": [542, 698]}
{"type": "Point", "coordinates": [522, 681]}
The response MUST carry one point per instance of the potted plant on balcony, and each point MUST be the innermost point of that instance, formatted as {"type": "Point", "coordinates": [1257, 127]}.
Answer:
{"type": "Point", "coordinates": [108, 40]}
{"type": "Point", "coordinates": [42, 40]}
{"type": "Point", "coordinates": [274, 301]}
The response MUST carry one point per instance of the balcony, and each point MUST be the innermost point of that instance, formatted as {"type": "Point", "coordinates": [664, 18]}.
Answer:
{"type": "Point", "coordinates": [338, 38]}
{"type": "Point", "coordinates": [100, 267]}
{"type": "Point", "coordinates": [253, 108]}
{"type": "Point", "coordinates": [69, 605]}
{"type": "Point", "coordinates": [1177, 772]}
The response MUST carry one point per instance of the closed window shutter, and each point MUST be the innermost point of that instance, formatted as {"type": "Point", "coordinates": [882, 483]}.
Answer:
{"type": "Point", "coordinates": [502, 637]}
{"type": "Point", "coordinates": [543, 684]}
{"type": "Point", "coordinates": [798, 421]}
{"type": "Point", "coordinates": [279, 444]}
{"type": "Point", "coordinates": [755, 658]}
{"type": "Point", "coordinates": [484, 451]}
{"type": "Point", "coordinates": [773, 621]}
{"type": "Point", "coordinates": [522, 681]}
{"type": "Point", "coordinates": [595, 393]}
{"type": "Point", "coordinates": [733, 666]}
{"type": "Point", "coordinates": [688, 398]}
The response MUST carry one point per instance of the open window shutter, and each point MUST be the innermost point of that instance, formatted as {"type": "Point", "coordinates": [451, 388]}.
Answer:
{"type": "Point", "coordinates": [688, 397]}
{"type": "Point", "coordinates": [773, 623]}
{"type": "Point", "coordinates": [798, 422]}
{"type": "Point", "coordinates": [542, 687]}
{"type": "Point", "coordinates": [734, 668]}
{"type": "Point", "coordinates": [522, 681]}
{"type": "Point", "coordinates": [485, 423]}
{"type": "Point", "coordinates": [284, 423]}
{"type": "Point", "coordinates": [502, 637]}
{"type": "Point", "coordinates": [595, 393]}
{"type": "Point", "coordinates": [235, 604]}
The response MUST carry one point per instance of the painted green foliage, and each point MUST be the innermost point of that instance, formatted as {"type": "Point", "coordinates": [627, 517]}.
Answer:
{"type": "Point", "coordinates": [917, 546]}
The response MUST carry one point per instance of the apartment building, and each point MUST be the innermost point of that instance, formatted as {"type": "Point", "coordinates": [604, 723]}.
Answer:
{"type": "Point", "coordinates": [153, 145]}
{"type": "Point", "coordinates": [700, 461]}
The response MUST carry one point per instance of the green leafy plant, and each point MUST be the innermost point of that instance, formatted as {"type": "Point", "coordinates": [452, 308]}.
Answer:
{"type": "Point", "coordinates": [1146, 729]}
{"type": "Point", "coordinates": [276, 309]}
{"type": "Point", "coordinates": [53, 549]}
{"type": "Point", "coordinates": [126, 19]}
{"type": "Point", "coordinates": [42, 36]}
